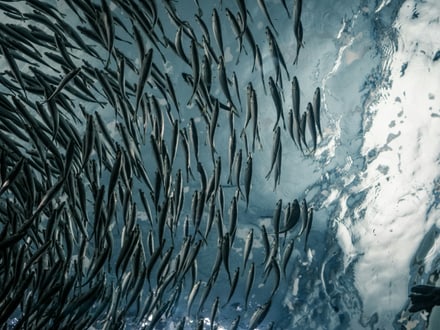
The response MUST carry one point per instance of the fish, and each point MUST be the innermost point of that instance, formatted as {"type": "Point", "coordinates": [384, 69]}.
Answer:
{"type": "Point", "coordinates": [312, 125]}
{"type": "Point", "coordinates": [297, 27]}
{"type": "Point", "coordinates": [263, 8]}
{"type": "Point", "coordinates": [303, 216]}
{"type": "Point", "coordinates": [225, 248]}
{"type": "Point", "coordinates": [109, 29]}
{"type": "Point", "coordinates": [276, 218]}
{"type": "Point", "coordinates": [259, 315]}
{"type": "Point", "coordinates": [233, 215]}
{"type": "Point", "coordinates": [276, 152]}
{"type": "Point", "coordinates": [317, 109]}
{"type": "Point", "coordinates": [249, 284]}
{"type": "Point", "coordinates": [248, 247]}
{"type": "Point", "coordinates": [238, 159]}
{"type": "Point", "coordinates": [308, 226]}
{"type": "Point", "coordinates": [234, 282]}
{"type": "Point", "coordinates": [14, 67]}
{"type": "Point", "coordinates": [259, 60]}
{"type": "Point", "coordinates": [231, 154]}
{"type": "Point", "coordinates": [203, 26]}
{"type": "Point", "coordinates": [235, 323]}
{"type": "Point", "coordinates": [243, 14]}
{"type": "Point", "coordinates": [68, 77]}
{"type": "Point", "coordinates": [195, 65]}
{"type": "Point", "coordinates": [144, 73]}
{"type": "Point", "coordinates": [224, 84]}
{"type": "Point", "coordinates": [286, 255]}
{"type": "Point", "coordinates": [277, 102]}
{"type": "Point", "coordinates": [216, 28]}
{"type": "Point", "coordinates": [192, 295]}
{"type": "Point", "coordinates": [292, 218]}
{"type": "Point", "coordinates": [214, 311]}
{"type": "Point", "coordinates": [248, 179]}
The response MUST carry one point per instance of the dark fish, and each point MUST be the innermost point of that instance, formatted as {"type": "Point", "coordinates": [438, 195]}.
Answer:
{"type": "Point", "coordinates": [195, 64]}
{"type": "Point", "coordinates": [216, 28]}
{"type": "Point", "coordinates": [276, 97]}
{"type": "Point", "coordinates": [147, 61]}
{"type": "Point", "coordinates": [312, 125]}
{"type": "Point", "coordinates": [14, 67]}
{"type": "Point", "coordinates": [263, 8]}
{"type": "Point", "coordinates": [317, 109]}
{"type": "Point", "coordinates": [297, 27]}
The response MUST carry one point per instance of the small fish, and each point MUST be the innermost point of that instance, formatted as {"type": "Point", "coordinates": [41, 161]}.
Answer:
{"type": "Point", "coordinates": [206, 72]}
{"type": "Point", "coordinates": [214, 311]}
{"type": "Point", "coordinates": [277, 102]}
{"type": "Point", "coordinates": [233, 215]}
{"type": "Point", "coordinates": [286, 256]}
{"type": "Point", "coordinates": [192, 295]}
{"type": "Point", "coordinates": [297, 27]}
{"type": "Point", "coordinates": [317, 109]}
{"type": "Point", "coordinates": [147, 61]}
{"type": "Point", "coordinates": [259, 315]}
{"type": "Point", "coordinates": [249, 284]}
{"type": "Point", "coordinates": [263, 8]}
{"type": "Point", "coordinates": [275, 154]}
{"type": "Point", "coordinates": [231, 154]}
{"type": "Point", "coordinates": [195, 64]}
{"type": "Point", "coordinates": [109, 29]}
{"type": "Point", "coordinates": [216, 28]}
{"type": "Point", "coordinates": [238, 159]}
{"type": "Point", "coordinates": [194, 138]}
{"type": "Point", "coordinates": [68, 77]}
{"type": "Point", "coordinates": [235, 25]}
{"type": "Point", "coordinates": [248, 179]}
{"type": "Point", "coordinates": [203, 27]}
{"type": "Point", "coordinates": [303, 215]}
{"type": "Point", "coordinates": [312, 125]}
{"type": "Point", "coordinates": [276, 217]}
{"type": "Point", "coordinates": [308, 226]}
{"type": "Point", "coordinates": [224, 83]}
{"type": "Point", "coordinates": [233, 284]}
{"type": "Point", "coordinates": [235, 323]}
{"type": "Point", "coordinates": [292, 218]}
{"type": "Point", "coordinates": [14, 67]}
{"type": "Point", "coordinates": [260, 66]}
{"type": "Point", "coordinates": [248, 247]}
{"type": "Point", "coordinates": [225, 253]}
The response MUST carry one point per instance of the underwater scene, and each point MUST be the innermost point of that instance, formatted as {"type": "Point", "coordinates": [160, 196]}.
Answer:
{"type": "Point", "coordinates": [236, 164]}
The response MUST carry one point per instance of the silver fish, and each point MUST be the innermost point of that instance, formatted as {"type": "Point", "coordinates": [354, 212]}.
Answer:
{"type": "Point", "coordinates": [248, 247]}
{"type": "Point", "coordinates": [216, 28]}
{"type": "Point", "coordinates": [286, 256]}
{"type": "Point", "coordinates": [249, 284]}
{"type": "Point", "coordinates": [259, 315]}
{"type": "Point", "coordinates": [195, 64]}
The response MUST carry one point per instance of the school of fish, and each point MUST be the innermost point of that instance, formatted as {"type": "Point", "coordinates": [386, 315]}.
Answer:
{"type": "Point", "coordinates": [118, 199]}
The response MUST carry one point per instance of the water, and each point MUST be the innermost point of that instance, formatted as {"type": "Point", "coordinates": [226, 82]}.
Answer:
{"type": "Point", "coordinates": [372, 182]}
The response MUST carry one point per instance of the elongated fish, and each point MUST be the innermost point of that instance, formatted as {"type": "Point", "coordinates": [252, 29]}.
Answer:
{"type": "Point", "coordinates": [259, 315]}
{"type": "Point", "coordinates": [147, 61]}
{"type": "Point", "coordinates": [317, 109]}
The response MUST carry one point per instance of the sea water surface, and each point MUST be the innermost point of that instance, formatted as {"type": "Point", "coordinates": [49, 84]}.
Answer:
{"type": "Point", "coordinates": [373, 181]}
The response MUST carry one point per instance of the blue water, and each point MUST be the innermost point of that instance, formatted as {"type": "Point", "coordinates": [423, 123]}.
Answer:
{"type": "Point", "coordinates": [348, 46]}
